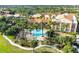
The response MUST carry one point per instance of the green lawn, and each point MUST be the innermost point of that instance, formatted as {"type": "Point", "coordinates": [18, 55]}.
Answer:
{"type": "Point", "coordinates": [11, 37]}
{"type": "Point", "coordinates": [6, 47]}
{"type": "Point", "coordinates": [46, 49]}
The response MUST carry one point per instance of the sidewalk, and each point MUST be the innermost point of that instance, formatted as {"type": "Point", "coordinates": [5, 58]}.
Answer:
{"type": "Point", "coordinates": [26, 48]}
{"type": "Point", "coordinates": [14, 44]}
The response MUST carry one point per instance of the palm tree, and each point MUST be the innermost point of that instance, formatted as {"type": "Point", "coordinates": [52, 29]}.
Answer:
{"type": "Point", "coordinates": [42, 28]}
{"type": "Point", "coordinates": [34, 44]}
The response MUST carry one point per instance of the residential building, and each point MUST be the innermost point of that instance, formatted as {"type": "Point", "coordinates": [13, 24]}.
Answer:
{"type": "Point", "coordinates": [66, 22]}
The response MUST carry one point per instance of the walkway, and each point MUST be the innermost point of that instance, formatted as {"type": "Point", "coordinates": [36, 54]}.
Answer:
{"type": "Point", "coordinates": [49, 46]}
{"type": "Point", "coordinates": [14, 44]}
{"type": "Point", "coordinates": [26, 48]}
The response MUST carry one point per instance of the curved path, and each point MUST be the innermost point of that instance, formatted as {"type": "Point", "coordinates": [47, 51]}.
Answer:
{"type": "Point", "coordinates": [26, 48]}
{"type": "Point", "coordinates": [49, 46]}
{"type": "Point", "coordinates": [14, 44]}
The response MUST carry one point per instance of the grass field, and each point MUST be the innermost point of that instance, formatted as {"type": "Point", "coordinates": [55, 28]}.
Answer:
{"type": "Point", "coordinates": [6, 47]}
{"type": "Point", "coordinates": [46, 49]}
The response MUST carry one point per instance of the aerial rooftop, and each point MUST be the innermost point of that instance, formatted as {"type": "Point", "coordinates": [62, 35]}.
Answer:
{"type": "Point", "coordinates": [65, 18]}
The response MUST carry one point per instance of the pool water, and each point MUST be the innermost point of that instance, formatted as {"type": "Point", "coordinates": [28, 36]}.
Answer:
{"type": "Point", "coordinates": [38, 32]}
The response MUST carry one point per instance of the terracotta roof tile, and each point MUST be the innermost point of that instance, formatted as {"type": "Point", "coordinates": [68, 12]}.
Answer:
{"type": "Point", "coordinates": [69, 17]}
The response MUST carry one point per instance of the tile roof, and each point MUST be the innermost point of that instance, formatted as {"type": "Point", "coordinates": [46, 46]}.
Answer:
{"type": "Point", "coordinates": [69, 17]}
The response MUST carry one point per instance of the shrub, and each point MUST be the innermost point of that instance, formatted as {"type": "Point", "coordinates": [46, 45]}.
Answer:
{"type": "Point", "coordinates": [72, 33]}
{"type": "Point", "coordinates": [68, 48]}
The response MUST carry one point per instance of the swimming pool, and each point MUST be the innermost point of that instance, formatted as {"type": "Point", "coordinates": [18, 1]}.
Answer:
{"type": "Point", "coordinates": [38, 32]}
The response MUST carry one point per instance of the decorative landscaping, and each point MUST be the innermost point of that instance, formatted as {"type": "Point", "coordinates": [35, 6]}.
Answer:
{"type": "Point", "coordinates": [6, 47]}
{"type": "Point", "coordinates": [33, 27]}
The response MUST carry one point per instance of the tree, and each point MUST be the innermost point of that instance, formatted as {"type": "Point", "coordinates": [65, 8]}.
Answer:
{"type": "Point", "coordinates": [12, 31]}
{"type": "Point", "coordinates": [63, 27]}
{"type": "Point", "coordinates": [31, 12]}
{"type": "Point", "coordinates": [68, 48]}
{"type": "Point", "coordinates": [51, 33]}
{"type": "Point", "coordinates": [2, 18]}
{"type": "Point", "coordinates": [69, 39]}
{"type": "Point", "coordinates": [53, 37]}
{"type": "Point", "coordinates": [3, 27]}
{"type": "Point", "coordinates": [34, 44]}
